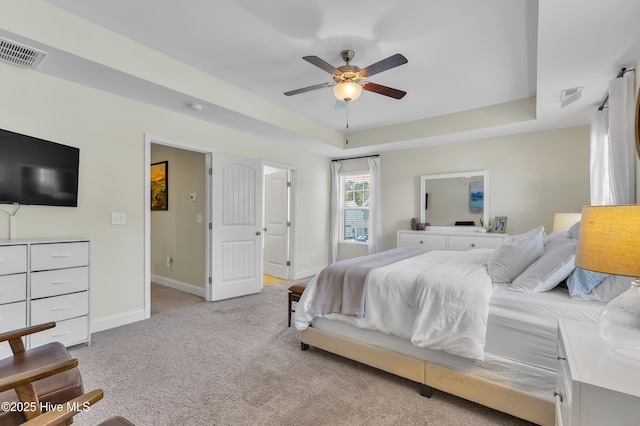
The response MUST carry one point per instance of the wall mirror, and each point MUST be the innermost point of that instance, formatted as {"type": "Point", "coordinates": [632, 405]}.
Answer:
{"type": "Point", "coordinates": [455, 197]}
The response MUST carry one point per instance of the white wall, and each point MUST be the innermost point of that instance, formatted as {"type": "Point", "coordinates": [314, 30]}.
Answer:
{"type": "Point", "coordinates": [532, 176]}
{"type": "Point", "coordinates": [109, 130]}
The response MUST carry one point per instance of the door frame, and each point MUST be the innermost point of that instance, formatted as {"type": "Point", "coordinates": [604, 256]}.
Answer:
{"type": "Point", "coordinates": [148, 140]}
{"type": "Point", "coordinates": [292, 210]}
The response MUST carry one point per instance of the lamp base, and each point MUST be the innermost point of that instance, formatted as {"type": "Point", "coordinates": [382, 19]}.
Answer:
{"type": "Point", "coordinates": [620, 323]}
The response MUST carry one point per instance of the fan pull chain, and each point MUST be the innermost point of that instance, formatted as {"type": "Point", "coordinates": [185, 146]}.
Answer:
{"type": "Point", "coordinates": [347, 114]}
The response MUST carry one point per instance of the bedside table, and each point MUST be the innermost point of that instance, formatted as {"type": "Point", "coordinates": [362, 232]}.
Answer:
{"type": "Point", "coordinates": [594, 386]}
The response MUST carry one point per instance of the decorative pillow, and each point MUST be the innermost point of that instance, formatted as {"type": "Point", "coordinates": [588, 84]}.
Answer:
{"type": "Point", "coordinates": [556, 264]}
{"type": "Point", "coordinates": [515, 254]}
{"type": "Point", "coordinates": [583, 281]}
{"type": "Point", "coordinates": [574, 230]}
{"type": "Point", "coordinates": [607, 290]}
{"type": "Point", "coordinates": [558, 235]}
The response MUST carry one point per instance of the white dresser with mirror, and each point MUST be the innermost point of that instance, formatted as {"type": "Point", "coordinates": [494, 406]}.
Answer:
{"type": "Point", "coordinates": [447, 199]}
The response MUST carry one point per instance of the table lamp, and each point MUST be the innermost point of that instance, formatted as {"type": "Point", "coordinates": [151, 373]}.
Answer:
{"type": "Point", "coordinates": [564, 221]}
{"type": "Point", "coordinates": [609, 242]}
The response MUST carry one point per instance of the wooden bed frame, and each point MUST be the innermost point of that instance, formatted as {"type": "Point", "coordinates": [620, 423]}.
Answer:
{"type": "Point", "coordinates": [473, 388]}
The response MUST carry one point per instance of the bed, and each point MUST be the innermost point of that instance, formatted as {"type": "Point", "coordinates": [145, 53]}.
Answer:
{"type": "Point", "coordinates": [515, 370]}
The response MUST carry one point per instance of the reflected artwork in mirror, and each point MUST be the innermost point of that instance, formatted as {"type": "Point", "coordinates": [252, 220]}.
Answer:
{"type": "Point", "coordinates": [455, 198]}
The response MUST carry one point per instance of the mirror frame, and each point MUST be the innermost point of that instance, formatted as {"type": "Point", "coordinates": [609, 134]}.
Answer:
{"type": "Point", "coordinates": [638, 125]}
{"type": "Point", "coordinates": [485, 213]}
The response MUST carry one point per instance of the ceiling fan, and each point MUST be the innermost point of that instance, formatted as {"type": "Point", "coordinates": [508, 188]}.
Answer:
{"type": "Point", "coordinates": [349, 80]}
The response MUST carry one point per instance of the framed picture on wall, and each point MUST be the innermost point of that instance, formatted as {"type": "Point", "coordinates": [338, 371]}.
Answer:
{"type": "Point", "coordinates": [476, 197]}
{"type": "Point", "coordinates": [500, 224]}
{"type": "Point", "coordinates": [160, 186]}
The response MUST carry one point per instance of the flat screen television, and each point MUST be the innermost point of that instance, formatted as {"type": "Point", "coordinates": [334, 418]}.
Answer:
{"type": "Point", "coordinates": [37, 172]}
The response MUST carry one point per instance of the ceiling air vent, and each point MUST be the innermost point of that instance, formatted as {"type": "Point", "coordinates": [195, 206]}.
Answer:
{"type": "Point", "coordinates": [19, 54]}
{"type": "Point", "coordinates": [569, 96]}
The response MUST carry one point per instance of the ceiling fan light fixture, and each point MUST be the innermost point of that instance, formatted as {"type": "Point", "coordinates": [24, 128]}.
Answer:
{"type": "Point", "coordinates": [347, 91]}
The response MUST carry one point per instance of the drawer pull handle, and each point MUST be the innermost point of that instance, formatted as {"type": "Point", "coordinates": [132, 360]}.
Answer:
{"type": "Point", "coordinates": [60, 255]}
{"type": "Point", "coordinates": [62, 308]}
{"type": "Point", "coordinates": [61, 282]}
{"type": "Point", "coordinates": [561, 358]}
{"type": "Point", "coordinates": [473, 244]}
{"type": "Point", "coordinates": [61, 334]}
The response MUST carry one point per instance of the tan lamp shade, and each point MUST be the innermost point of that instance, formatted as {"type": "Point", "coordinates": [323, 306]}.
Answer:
{"type": "Point", "coordinates": [564, 221]}
{"type": "Point", "coordinates": [609, 240]}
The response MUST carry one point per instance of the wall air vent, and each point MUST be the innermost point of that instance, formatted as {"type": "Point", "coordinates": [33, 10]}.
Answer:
{"type": "Point", "coordinates": [20, 54]}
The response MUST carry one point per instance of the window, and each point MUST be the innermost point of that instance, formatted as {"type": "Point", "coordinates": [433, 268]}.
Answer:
{"type": "Point", "coordinates": [355, 207]}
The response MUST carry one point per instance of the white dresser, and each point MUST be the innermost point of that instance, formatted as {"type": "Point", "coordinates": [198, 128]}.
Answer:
{"type": "Point", "coordinates": [43, 280]}
{"type": "Point", "coordinates": [594, 386]}
{"type": "Point", "coordinates": [449, 239]}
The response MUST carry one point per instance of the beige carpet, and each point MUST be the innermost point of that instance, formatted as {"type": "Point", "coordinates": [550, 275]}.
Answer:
{"type": "Point", "coordinates": [235, 362]}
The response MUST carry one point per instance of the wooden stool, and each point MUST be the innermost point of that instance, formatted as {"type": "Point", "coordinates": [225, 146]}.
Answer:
{"type": "Point", "coordinates": [295, 291]}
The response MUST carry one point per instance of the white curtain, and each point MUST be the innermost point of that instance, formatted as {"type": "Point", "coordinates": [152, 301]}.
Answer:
{"type": "Point", "coordinates": [334, 236]}
{"type": "Point", "coordinates": [622, 139]}
{"type": "Point", "coordinates": [375, 207]}
{"type": "Point", "coordinates": [598, 157]}
{"type": "Point", "coordinates": [612, 151]}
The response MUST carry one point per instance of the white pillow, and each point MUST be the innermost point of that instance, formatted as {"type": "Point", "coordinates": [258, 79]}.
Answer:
{"type": "Point", "coordinates": [574, 231]}
{"type": "Point", "coordinates": [607, 290]}
{"type": "Point", "coordinates": [515, 254]}
{"type": "Point", "coordinates": [558, 235]}
{"type": "Point", "coordinates": [556, 264]}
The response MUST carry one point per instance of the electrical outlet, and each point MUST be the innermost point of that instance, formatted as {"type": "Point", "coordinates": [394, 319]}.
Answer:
{"type": "Point", "coordinates": [118, 218]}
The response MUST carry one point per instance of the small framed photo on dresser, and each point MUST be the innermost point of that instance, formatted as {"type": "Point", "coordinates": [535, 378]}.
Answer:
{"type": "Point", "coordinates": [500, 224]}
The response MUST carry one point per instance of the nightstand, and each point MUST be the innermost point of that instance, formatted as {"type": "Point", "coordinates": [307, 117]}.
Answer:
{"type": "Point", "coordinates": [594, 386]}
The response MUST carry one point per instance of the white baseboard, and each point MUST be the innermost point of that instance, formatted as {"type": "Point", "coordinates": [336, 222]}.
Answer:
{"type": "Point", "coordinates": [308, 273]}
{"type": "Point", "coordinates": [117, 320]}
{"type": "Point", "coordinates": [178, 285]}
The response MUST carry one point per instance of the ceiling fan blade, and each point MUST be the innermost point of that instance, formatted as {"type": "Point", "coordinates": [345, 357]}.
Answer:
{"type": "Point", "coordinates": [384, 90]}
{"type": "Point", "coordinates": [308, 89]}
{"type": "Point", "coordinates": [383, 65]}
{"type": "Point", "coordinates": [340, 106]}
{"type": "Point", "coordinates": [321, 63]}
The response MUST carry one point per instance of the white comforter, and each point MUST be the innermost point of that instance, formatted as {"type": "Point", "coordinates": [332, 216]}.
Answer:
{"type": "Point", "coordinates": [439, 299]}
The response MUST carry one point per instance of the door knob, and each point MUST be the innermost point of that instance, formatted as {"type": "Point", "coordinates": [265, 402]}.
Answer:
{"type": "Point", "coordinates": [258, 233]}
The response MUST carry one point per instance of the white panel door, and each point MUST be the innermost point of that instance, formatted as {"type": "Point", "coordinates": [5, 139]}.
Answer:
{"type": "Point", "coordinates": [276, 217]}
{"type": "Point", "coordinates": [236, 227]}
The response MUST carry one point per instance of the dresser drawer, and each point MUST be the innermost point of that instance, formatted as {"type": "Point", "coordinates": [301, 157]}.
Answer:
{"type": "Point", "coordinates": [13, 316]}
{"type": "Point", "coordinates": [13, 288]}
{"type": "Point", "coordinates": [59, 255]}
{"type": "Point", "coordinates": [469, 243]}
{"type": "Point", "coordinates": [564, 387]}
{"type": "Point", "coordinates": [68, 332]}
{"type": "Point", "coordinates": [423, 241]}
{"type": "Point", "coordinates": [13, 259]}
{"type": "Point", "coordinates": [59, 281]}
{"type": "Point", "coordinates": [59, 308]}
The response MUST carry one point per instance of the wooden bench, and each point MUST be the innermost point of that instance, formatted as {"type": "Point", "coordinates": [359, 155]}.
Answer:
{"type": "Point", "coordinates": [295, 291]}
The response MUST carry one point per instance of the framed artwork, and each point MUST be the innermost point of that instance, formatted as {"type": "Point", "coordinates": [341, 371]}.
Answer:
{"type": "Point", "coordinates": [160, 186]}
{"type": "Point", "coordinates": [476, 197]}
{"type": "Point", "coordinates": [500, 224]}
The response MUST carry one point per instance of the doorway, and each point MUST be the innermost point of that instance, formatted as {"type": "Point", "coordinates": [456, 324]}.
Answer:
{"type": "Point", "coordinates": [180, 258]}
{"type": "Point", "coordinates": [207, 217]}
{"type": "Point", "coordinates": [278, 220]}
